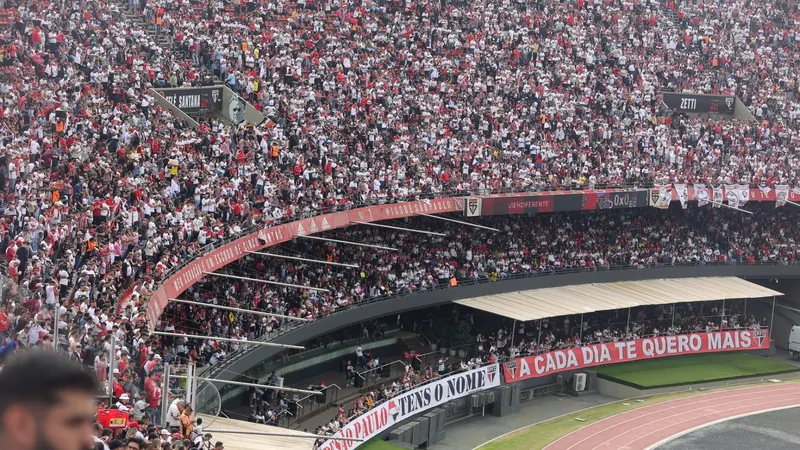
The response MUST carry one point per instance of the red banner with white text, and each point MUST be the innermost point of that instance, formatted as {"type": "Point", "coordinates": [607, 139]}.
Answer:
{"type": "Point", "coordinates": [556, 361]}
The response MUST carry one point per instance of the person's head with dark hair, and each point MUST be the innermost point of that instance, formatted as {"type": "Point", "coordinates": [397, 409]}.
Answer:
{"type": "Point", "coordinates": [116, 444]}
{"type": "Point", "coordinates": [135, 443]}
{"type": "Point", "coordinates": [46, 403]}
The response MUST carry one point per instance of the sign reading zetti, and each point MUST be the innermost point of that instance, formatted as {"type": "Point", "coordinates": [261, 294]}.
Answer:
{"type": "Point", "coordinates": [405, 406]}
{"type": "Point", "coordinates": [618, 352]}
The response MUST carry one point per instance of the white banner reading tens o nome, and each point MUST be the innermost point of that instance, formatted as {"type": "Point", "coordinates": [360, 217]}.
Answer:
{"type": "Point", "coordinates": [415, 401]}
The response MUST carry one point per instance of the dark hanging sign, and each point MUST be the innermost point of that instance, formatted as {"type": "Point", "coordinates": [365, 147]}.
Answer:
{"type": "Point", "coordinates": [199, 100]}
{"type": "Point", "coordinates": [688, 103]}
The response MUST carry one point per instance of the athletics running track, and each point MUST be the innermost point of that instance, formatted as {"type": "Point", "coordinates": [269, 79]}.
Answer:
{"type": "Point", "coordinates": [650, 426]}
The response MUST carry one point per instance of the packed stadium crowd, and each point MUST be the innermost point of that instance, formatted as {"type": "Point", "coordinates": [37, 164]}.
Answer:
{"type": "Point", "coordinates": [549, 244]}
{"type": "Point", "coordinates": [104, 192]}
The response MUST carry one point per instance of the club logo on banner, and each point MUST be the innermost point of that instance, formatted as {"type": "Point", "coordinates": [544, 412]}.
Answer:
{"type": "Point", "coordinates": [556, 361]}
{"type": "Point", "coordinates": [661, 196]}
{"type": "Point", "coordinates": [404, 406]}
{"type": "Point", "coordinates": [473, 207]}
{"type": "Point", "coordinates": [781, 195]}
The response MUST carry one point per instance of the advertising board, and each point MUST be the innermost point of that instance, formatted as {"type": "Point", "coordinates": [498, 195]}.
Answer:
{"type": "Point", "coordinates": [561, 201]}
{"type": "Point", "coordinates": [688, 103]}
{"type": "Point", "coordinates": [194, 100]}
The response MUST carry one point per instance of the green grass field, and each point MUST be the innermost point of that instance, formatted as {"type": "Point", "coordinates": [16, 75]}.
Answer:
{"type": "Point", "coordinates": [681, 370]}
{"type": "Point", "coordinates": [377, 444]}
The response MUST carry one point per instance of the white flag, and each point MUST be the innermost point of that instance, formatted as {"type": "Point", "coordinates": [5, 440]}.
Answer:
{"type": "Point", "coordinates": [765, 190]}
{"type": "Point", "coordinates": [744, 194]}
{"type": "Point", "coordinates": [732, 192]}
{"type": "Point", "coordinates": [781, 195]}
{"type": "Point", "coordinates": [701, 194]}
{"type": "Point", "coordinates": [661, 196]}
{"type": "Point", "coordinates": [718, 196]}
{"type": "Point", "coordinates": [683, 194]}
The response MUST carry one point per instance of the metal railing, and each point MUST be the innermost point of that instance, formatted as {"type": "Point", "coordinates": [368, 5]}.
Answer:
{"type": "Point", "coordinates": [312, 403]}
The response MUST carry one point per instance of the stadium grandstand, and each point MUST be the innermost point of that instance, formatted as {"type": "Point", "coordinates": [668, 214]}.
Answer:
{"type": "Point", "coordinates": [283, 219]}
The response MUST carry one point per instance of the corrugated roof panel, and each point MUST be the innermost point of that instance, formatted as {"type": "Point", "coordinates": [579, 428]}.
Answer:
{"type": "Point", "coordinates": [586, 298]}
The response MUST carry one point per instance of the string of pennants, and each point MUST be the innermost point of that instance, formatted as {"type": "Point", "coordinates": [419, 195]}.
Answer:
{"type": "Point", "coordinates": [736, 195]}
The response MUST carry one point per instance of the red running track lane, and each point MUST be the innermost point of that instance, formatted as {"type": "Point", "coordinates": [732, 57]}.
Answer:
{"type": "Point", "coordinates": [644, 428]}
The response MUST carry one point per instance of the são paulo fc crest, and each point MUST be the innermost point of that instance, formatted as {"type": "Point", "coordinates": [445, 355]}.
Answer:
{"type": "Point", "coordinates": [393, 410]}
{"type": "Point", "coordinates": [491, 373]}
{"type": "Point", "coordinates": [760, 336]}
{"type": "Point", "coordinates": [511, 369]}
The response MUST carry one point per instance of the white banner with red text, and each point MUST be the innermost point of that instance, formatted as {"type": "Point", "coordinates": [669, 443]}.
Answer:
{"type": "Point", "coordinates": [556, 361]}
{"type": "Point", "coordinates": [413, 402]}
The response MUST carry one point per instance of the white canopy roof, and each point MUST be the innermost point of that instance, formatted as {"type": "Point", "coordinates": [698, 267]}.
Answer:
{"type": "Point", "coordinates": [235, 441]}
{"type": "Point", "coordinates": [587, 298]}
